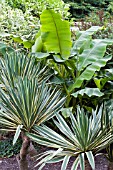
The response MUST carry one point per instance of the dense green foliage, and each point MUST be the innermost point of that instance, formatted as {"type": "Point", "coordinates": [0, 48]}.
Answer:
{"type": "Point", "coordinates": [45, 61]}
{"type": "Point", "coordinates": [80, 8]}
{"type": "Point", "coordinates": [35, 7]}
{"type": "Point", "coordinates": [14, 24]}
{"type": "Point", "coordinates": [7, 149]}
{"type": "Point", "coordinates": [75, 66]}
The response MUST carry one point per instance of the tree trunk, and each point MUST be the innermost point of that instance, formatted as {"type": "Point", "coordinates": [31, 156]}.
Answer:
{"type": "Point", "coordinates": [32, 151]}
{"type": "Point", "coordinates": [21, 158]}
{"type": "Point", "coordinates": [22, 163]}
{"type": "Point", "coordinates": [110, 167]}
{"type": "Point", "coordinates": [27, 148]}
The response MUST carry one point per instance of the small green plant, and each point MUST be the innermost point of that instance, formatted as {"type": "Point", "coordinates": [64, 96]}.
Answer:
{"type": "Point", "coordinates": [7, 149]}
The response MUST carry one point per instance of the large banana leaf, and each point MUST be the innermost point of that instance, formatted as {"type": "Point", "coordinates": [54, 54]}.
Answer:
{"type": "Point", "coordinates": [91, 60]}
{"type": "Point", "coordinates": [89, 92]}
{"type": "Point", "coordinates": [56, 34]}
{"type": "Point", "coordinates": [83, 38]}
{"type": "Point", "coordinates": [90, 55]}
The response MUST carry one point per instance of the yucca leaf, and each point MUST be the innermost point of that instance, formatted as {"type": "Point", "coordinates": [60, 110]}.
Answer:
{"type": "Point", "coordinates": [64, 127]}
{"type": "Point", "coordinates": [49, 156]}
{"type": "Point", "coordinates": [85, 137]}
{"type": "Point", "coordinates": [65, 162]}
{"type": "Point", "coordinates": [82, 163]}
{"type": "Point", "coordinates": [91, 159]}
{"type": "Point", "coordinates": [44, 141]}
{"type": "Point", "coordinates": [17, 133]}
{"type": "Point", "coordinates": [75, 164]}
{"type": "Point", "coordinates": [88, 138]}
{"type": "Point", "coordinates": [40, 168]}
{"type": "Point", "coordinates": [17, 64]}
{"type": "Point", "coordinates": [65, 131]}
{"type": "Point", "coordinates": [52, 135]}
{"type": "Point", "coordinates": [56, 159]}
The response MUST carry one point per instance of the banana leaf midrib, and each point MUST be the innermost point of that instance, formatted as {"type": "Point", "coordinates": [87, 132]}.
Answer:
{"type": "Point", "coordinates": [56, 32]}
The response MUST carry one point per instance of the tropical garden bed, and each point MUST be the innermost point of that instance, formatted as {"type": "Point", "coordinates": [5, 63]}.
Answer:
{"type": "Point", "coordinates": [56, 89]}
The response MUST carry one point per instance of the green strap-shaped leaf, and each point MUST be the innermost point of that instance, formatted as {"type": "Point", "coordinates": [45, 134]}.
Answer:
{"type": "Point", "coordinates": [55, 33]}
{"type": "Point", "coordinates": [82, 164]}
{"type": "Point", "coordinates": [89, 92]}
{"type": "Point", "coordinates": [56, 159]}
{"type": "Point", "coordinates": [17, 133]}
{"type": "Point", "coordinates": [17, 39]}
{"type": "Point", "coordinates": [41, 167]}
{"type": "Point", "coordinates": [75, 164]}
{"type": "Point", "coordinates": [65, 162]}
{"type": "Point", "coordinates": [91, 159]}
{"type": "Point", "coordinates": [89, 72]}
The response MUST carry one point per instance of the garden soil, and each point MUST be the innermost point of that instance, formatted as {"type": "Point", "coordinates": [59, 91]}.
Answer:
{"type": "Point", "coordinates": [11, 164]}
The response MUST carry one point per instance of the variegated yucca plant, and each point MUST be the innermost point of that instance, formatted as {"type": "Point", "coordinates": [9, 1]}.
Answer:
{"type": "Point", "coordinates": [82, 138]}
{"type": "Point", "coordinates": [17, 65]}
{"type": "Point", "coordinates": [25, 99]}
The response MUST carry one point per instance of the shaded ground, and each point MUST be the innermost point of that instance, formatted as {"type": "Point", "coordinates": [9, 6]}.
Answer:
{"type": "Point", "coordinates": [11, 164]}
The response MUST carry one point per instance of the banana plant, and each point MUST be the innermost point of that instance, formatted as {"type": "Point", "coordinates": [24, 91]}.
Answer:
{"type": "Point", "coordinates": [82, 137]}
{"type": "Point", "coordinates": [74, 63]}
